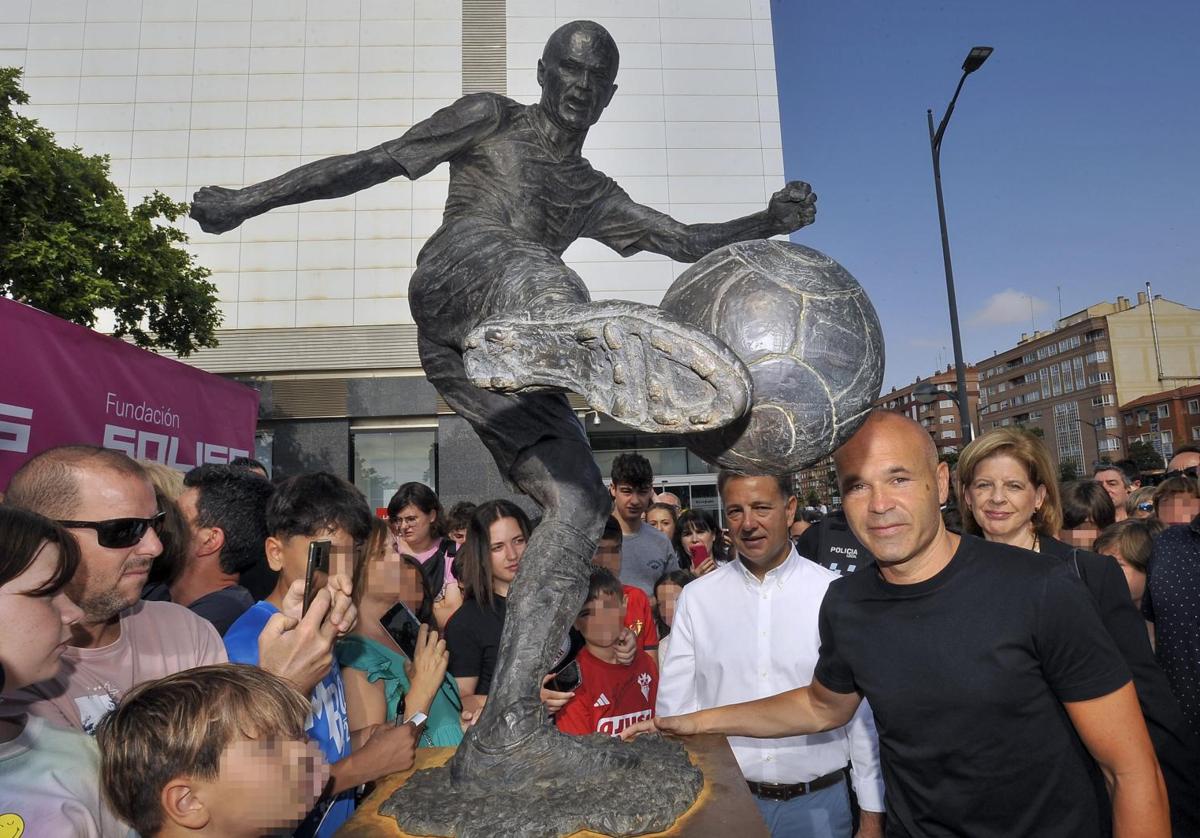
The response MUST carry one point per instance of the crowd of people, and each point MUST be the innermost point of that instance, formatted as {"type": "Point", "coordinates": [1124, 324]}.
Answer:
{"type": "Point", "coordinates": [986, 652]}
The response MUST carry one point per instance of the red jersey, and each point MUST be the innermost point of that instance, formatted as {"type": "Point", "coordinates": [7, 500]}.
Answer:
{"type": "Point", "coordinates": [639, 618]}
{"type": "Point", "coordinates": [610, 697]}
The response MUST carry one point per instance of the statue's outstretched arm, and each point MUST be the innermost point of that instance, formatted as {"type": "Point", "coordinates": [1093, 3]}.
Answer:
{"type": "Point", "coordinates": [218, 209]}
{"type": "Point", "coordinates": [790, 208]}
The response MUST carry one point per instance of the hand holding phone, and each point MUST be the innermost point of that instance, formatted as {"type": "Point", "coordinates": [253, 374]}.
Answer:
{"type": "Point", "coordinates": [699, 554]}
{"type": "Point", "coordinates": [318, 562]}
{"type": "Point", "coordinates": [566, 679]}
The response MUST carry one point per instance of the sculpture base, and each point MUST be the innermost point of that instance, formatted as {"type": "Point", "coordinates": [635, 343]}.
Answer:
{"type": "Point", "coordinates": [724, 806]}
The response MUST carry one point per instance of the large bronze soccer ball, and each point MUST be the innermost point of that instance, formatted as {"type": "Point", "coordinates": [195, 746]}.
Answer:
{"type": "Point", "coordinates": [809, 335]}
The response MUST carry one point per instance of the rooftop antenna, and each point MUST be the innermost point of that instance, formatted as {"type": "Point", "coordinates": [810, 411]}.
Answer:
{"type": "Point", "coordinates": [1060, 302]}
{"type": "Point", "coordinates": [1032, 323]}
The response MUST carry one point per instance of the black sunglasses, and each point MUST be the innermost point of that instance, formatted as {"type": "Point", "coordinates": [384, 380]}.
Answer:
{"type": "Point", "coordinates": [1145, 507]}
{"type": "Point", "coordinates": [118, 532]}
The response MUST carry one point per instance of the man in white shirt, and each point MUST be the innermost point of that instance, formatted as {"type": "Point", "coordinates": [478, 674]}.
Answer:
{"type": "Point", "coordinates": [749, 630]}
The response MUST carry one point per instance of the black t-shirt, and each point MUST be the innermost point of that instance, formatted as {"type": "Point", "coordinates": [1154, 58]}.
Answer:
{"type": "Point", "coordinates": [473, 638]}
{"type": "Point", "coordinates": [832, 544]}
{"type": "Point", "coordinates": [223, 607]}
{"type": "Point", "coordinates": [966, 674]}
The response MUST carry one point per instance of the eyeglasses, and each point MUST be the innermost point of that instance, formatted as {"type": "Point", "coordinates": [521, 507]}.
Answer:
{"type": "Point", "coordinates": [118, 533]}
{"type": "Point", "coordinates": [1145, 507]}
{"type": "Point", "coordinates": [1190, 471]}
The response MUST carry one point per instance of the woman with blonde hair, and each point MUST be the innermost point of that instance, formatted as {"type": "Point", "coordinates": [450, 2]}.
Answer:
{"type": "Point", "coordinates": [1008, 494]}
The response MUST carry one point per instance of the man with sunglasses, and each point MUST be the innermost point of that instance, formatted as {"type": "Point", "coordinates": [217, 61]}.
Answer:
{"type": "Point", "coordinates": [1186, 462]}
{"type": "Point", "coordinates": [107, 502]}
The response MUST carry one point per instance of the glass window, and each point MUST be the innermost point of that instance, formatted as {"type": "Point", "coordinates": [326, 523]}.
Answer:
{"type": "Point", "coordinates": [1193, 405]}
{"type": "Point", "coordinates": [383, 460]}
{"type": "Point", "coordinates": [264, 448]}
{"type": "Point", "coordinates": [946, 404]}
{"type": "Point", "coordinates": [1164, 410]}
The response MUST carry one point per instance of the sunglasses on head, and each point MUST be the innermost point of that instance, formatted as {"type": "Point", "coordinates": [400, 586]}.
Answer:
{"type": "Point", "coordinates": [118, 532]}
{"type": "Point", "coordinates": [1145, 507]}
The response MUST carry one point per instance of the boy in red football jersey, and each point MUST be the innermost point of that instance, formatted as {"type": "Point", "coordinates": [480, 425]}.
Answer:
{"type": "Point", "coordinates": [638, 616]}
{"type": "Point", "coordinates": [610, 696]}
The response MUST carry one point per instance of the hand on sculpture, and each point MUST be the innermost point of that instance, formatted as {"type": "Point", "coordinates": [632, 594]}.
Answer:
{"type": "Point", "coordinates": [626, 647]}
{"type": "Point", "coordinates": [793, 207]}
{"type": "Point", "coordinates": [427, 669]}
{"type": "Point", "coordinates": [685, 725]}
{"type": "Point", "coordinates": [299, 650]}
{"type": "Point", "coordinates": [388, 749]}
{"type": "Point", "coordinates": [554, 700]}
{"type": "Point", "coordinates": [217, 209]}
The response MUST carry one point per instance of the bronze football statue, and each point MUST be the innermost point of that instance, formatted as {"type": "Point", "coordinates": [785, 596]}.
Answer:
{"type": "Point", "coordinates": [505, 327]}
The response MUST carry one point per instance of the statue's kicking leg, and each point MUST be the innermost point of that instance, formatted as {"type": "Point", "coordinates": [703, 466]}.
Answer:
{"type": "Point", "coordinates": [513, 731]}
{"type": "Point", "coordinates": [634, 362]}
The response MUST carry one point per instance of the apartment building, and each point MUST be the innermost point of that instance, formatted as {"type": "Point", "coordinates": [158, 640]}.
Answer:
{"type": "Point", "coordinates": [1069, 382]}
{"type": "Point", "coordinates": [1166, 420]}
{"type": "Point", "coordinates": [939, 416]}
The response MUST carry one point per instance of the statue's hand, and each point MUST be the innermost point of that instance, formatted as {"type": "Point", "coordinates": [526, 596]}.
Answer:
{"type": "Point", "coordinates": [793, 207]}
{"type": "Point", "coordinates": [217, 209]}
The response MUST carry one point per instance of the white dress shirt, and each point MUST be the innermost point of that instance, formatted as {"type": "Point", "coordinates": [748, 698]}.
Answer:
{"type": "Point", "coordinates": [736, 639]}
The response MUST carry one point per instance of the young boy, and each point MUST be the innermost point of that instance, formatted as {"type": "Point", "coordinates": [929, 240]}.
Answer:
{"type": "Point", "coordinates": [216, 750]}
{"type": "Point", "coordinates": [638, 616]}
{"type": "Point", "coordinates": [304, 509]}
{"type": "Point", "coordinates": [647, 552]}
{"type": "Point", "coordinates": [610, 697]}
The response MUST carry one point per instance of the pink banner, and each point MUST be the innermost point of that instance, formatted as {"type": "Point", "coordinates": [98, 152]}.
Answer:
{"type": "Point", "coordinates": [62, 384]}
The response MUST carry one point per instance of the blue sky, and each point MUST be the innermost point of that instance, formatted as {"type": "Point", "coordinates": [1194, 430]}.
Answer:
{"type": "Point", "coordinates": [1072, 159]}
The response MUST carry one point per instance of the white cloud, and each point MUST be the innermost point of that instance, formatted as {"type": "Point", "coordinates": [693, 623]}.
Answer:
{"type": "Point", "coordinates": [1009, 307]}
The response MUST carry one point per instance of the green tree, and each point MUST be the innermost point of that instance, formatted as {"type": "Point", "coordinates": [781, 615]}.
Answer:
{"type": "Point", "coordinates": [70, 246]}
{"type": "Point", "coordinates": [1068, 470]}
{"type": "Point", "coordinates": [1146, 457]}
{"type": "Point", "coordinates": [813, 498]}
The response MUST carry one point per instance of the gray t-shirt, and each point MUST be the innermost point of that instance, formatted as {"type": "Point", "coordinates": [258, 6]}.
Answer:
{"type": "Point", "coordinates": [646, 555]}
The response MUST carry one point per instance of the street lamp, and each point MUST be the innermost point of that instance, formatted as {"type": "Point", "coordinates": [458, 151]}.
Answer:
{"type": "Point", "coordinates": [1096, 426]}
{"type": "Point", "coordinates": [973, 62]}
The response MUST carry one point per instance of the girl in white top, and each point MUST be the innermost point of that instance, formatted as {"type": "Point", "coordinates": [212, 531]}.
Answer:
{"type": "Point", "coordinates": [49, 777]}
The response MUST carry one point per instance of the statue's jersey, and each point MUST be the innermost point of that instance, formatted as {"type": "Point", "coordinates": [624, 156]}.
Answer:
{"type": "Point", "coordinates": [505, 170]}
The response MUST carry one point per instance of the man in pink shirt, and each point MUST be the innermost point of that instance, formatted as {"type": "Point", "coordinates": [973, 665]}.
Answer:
{"type": "Point", "coordinates": [107, 502]}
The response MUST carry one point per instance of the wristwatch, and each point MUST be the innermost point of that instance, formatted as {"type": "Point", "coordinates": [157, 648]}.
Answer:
{"type": "Point", "coordinates": [416, 719]}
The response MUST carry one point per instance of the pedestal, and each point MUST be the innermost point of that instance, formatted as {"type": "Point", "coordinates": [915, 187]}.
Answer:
{"type": "Point", "coordinates": [724, 807]}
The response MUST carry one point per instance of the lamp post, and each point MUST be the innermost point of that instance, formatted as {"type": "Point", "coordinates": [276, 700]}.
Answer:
{"type": "Point", "coordinates": [973, 62]}
{"type": "Point", "coordinates": [1096, 426]}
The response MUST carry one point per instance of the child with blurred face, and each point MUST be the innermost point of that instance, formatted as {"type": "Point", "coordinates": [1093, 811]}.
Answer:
{"type": "Point", "coordinates": [611, 695]}
{"type": "Point", "coordinates": [216, 750]}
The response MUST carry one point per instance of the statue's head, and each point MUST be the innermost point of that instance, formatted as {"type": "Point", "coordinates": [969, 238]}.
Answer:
{"type": "Point", "coordinates": [577, 74]}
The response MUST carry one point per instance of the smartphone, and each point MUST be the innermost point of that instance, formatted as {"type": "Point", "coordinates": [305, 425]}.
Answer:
{"type": "Point", "coordinates": [402, 626]}
{"type": "Point", "coordinates": [699, 555]}
{"type": "Point", "coordinates": [318, 562]}
{"type": "Point", "coordinates": [566, 679]}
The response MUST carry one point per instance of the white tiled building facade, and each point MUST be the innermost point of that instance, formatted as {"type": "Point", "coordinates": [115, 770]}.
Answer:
{"type": "Point", "coordinates": [186, 93]}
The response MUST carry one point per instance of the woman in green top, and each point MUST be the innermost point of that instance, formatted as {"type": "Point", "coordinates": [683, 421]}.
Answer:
{"type": "Point", "coordinates": [381, 682]}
